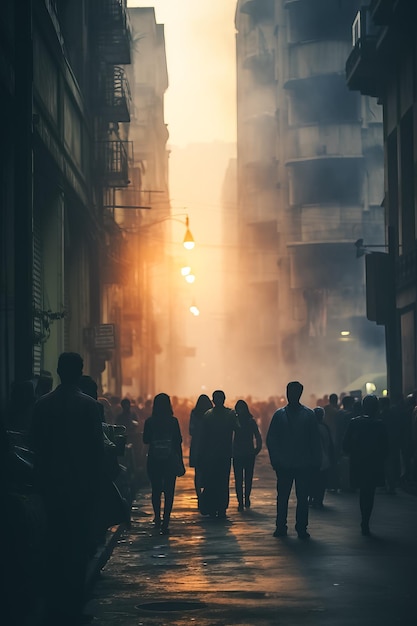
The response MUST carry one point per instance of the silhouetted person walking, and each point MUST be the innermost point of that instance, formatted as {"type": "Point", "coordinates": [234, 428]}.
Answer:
{"type": "Point", "coordinates": [219, 425]}
{"type": "Point", "coordinates": [67, 441]}
{"type": "Point", "coordinates": [320, 476]}
{"type": "Point", "coordinates": [162, 433]}
{"type": "Point", "coordinates": [342, 420]}
{"type": "Point", "coordinates": [366, 443]}
{"type": "Point", "coordinates": [203, 404]}
{"type": "Point", "coordinates": [247, 444]}
{"type": "Point", "coordinates": [293, 443]}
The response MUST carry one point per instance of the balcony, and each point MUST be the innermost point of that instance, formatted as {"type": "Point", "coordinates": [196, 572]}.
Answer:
{"type": "Point", "coordinates": [258, 9]}
{"type": "Point", "coordinates": [330, 222]}
{"type": "Point", "coordinates": [114, 163]}
{"type": "Point", "coordinates": [324, 265]}
{"type": "Point", "coordinates": [115, 98]}
{"type": "Point", "coordinates": [316, 58]}
{"type": "Point", "coordinates": [309, 142]}
{"type": "Point", "coordinates": [326, 180]}
{"type": "Point", "coordinates": [258, 55]}
{"type": "Point", "coordinates": [363, 72]}
{"type": "Point", "coordinates": [113, 32]}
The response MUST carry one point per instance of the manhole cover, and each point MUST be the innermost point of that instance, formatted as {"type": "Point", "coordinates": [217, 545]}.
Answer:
{"type": "Point", "coordinates": [171, 606]}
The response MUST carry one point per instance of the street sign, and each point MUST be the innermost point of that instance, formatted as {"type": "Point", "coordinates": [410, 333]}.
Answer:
{"type": "Point", "coordinates": [104, 336]}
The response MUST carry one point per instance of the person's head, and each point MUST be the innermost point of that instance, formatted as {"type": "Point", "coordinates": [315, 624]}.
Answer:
{"type": "Point", "coordinates": [162, 406]}
{"type": "Point", "coordinates": [384, 403]}
{"type": "Point", "coordinates": [88, 386]}
{"type": "Point", "coordinates": [242, 409]}
{"type": "Point", "coordinates": [294, 391]}
{"type": "Point", "coordinates": [70, 367]}
{"type": "Point", "coordinates": [203, 403]}
{"type": "Point", "coordinates": [348, 402]}
{"type": "Point", "coordinates": [218, 397]}
{"type": "Point", "coordinates": [370, 405]}
{"type": "Point", "coordinates": [333, 399]}
{"type": "Point", "coordinates": [125, 404]}
{"type": "Point", "coordinates": [319, 413]}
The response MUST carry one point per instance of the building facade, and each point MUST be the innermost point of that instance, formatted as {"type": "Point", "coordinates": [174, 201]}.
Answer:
{"type": "Point", "coordinates": [59, 64]}
{"type": "Point", "coordinates": [144, 310]}
{"type": "Point", "coordinates": [383, 64]}
{"type": "Point", "coordinates": [310, 172]}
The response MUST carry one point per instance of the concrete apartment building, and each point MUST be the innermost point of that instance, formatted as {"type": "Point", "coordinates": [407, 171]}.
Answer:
{"type": "Point", "coordinates": [310, 184]}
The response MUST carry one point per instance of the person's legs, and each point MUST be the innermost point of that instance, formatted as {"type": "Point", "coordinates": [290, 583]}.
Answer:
{"type": "Point", "coordinates": [238, 472]}
{"type": "Point", "coordinates": [67, 554]}
{"type": "Point", "coordinates": [302, 487]}
{"type": "Point", "coordinates": [197, 482]}
{"type": "Point", "coordinates": [223, 477]}
{"type": "Point", "coordinates": [248, 478]}
{"type": "Point", "coordinates": [314, 486]}
{"type": "Point", "coordinates": [157, 488]}
{"type": "Point", "coordinates": [284, 485]}
{"type": "Point", "coordinates": [169, 490]}
{"type": "Point", "coordinates": [366, 504]}
{"type": "Point", "coordinates": [320, 488]}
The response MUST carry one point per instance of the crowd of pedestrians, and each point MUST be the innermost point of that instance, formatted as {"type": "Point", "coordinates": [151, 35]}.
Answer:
{"type": "Point", "coordinates": [72, 464]}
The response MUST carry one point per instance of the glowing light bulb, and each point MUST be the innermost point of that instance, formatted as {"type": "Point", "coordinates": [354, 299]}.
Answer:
{"type": "Point", "coordinates": [186, 270]}
{"type": "Point", "coordinates": [190, 278]}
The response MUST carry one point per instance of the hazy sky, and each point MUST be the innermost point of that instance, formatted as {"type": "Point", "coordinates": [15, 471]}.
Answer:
{"type": "Point", "coordinates": [200, 110]}
{"type": "Point", "coordinates": [200, 47]}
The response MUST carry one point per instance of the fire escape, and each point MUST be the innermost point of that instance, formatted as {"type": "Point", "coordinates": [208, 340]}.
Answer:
{"type": "Point", "coordinates": [113, 40]}
{"type": "Point", "coordinates": [113, 155]}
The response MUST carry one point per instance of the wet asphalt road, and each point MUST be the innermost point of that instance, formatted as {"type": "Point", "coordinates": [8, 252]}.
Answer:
{"type": "Point", "coordinates": [212, 573]}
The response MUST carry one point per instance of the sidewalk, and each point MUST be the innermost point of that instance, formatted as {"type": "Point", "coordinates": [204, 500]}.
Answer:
{"type": "Point", "coordinates": [234, 572]}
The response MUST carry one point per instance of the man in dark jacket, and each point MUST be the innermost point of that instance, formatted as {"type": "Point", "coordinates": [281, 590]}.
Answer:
{"type": "Point", "coordinates": [366, 443]}
{"type": "Point", "coordinates": [67, 441]}
{"type": "Point", "coordinates": [218, 427]}
{"type": "Point", "coordinates": [293, 442]}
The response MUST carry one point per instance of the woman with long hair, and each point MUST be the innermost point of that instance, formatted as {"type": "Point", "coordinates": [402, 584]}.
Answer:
{"type": "Point", "coordinates": [203, 404]}
{"type": "Point", "coordinates": [247, 444]}
{"type": "Point", "coordinates": [163, 435]}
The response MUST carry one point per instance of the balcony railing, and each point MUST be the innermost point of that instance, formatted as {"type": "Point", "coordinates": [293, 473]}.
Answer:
{"type": "Point", "coordinates": [362, 72]}
{"type": "Point", "coordinates": [316, 58]}
{"type": "Point", "coordinates": [328, 140]}
{"type": "Point", "coordinates": [114, 163]}
{"type": "Point", "coordinates": [115, 99]}
{"type": "Point", "coordinates": [113, 30]}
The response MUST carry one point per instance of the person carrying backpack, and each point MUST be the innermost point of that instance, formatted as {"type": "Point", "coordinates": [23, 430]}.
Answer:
{"type": "Point", "coordinates": [164, 461]}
